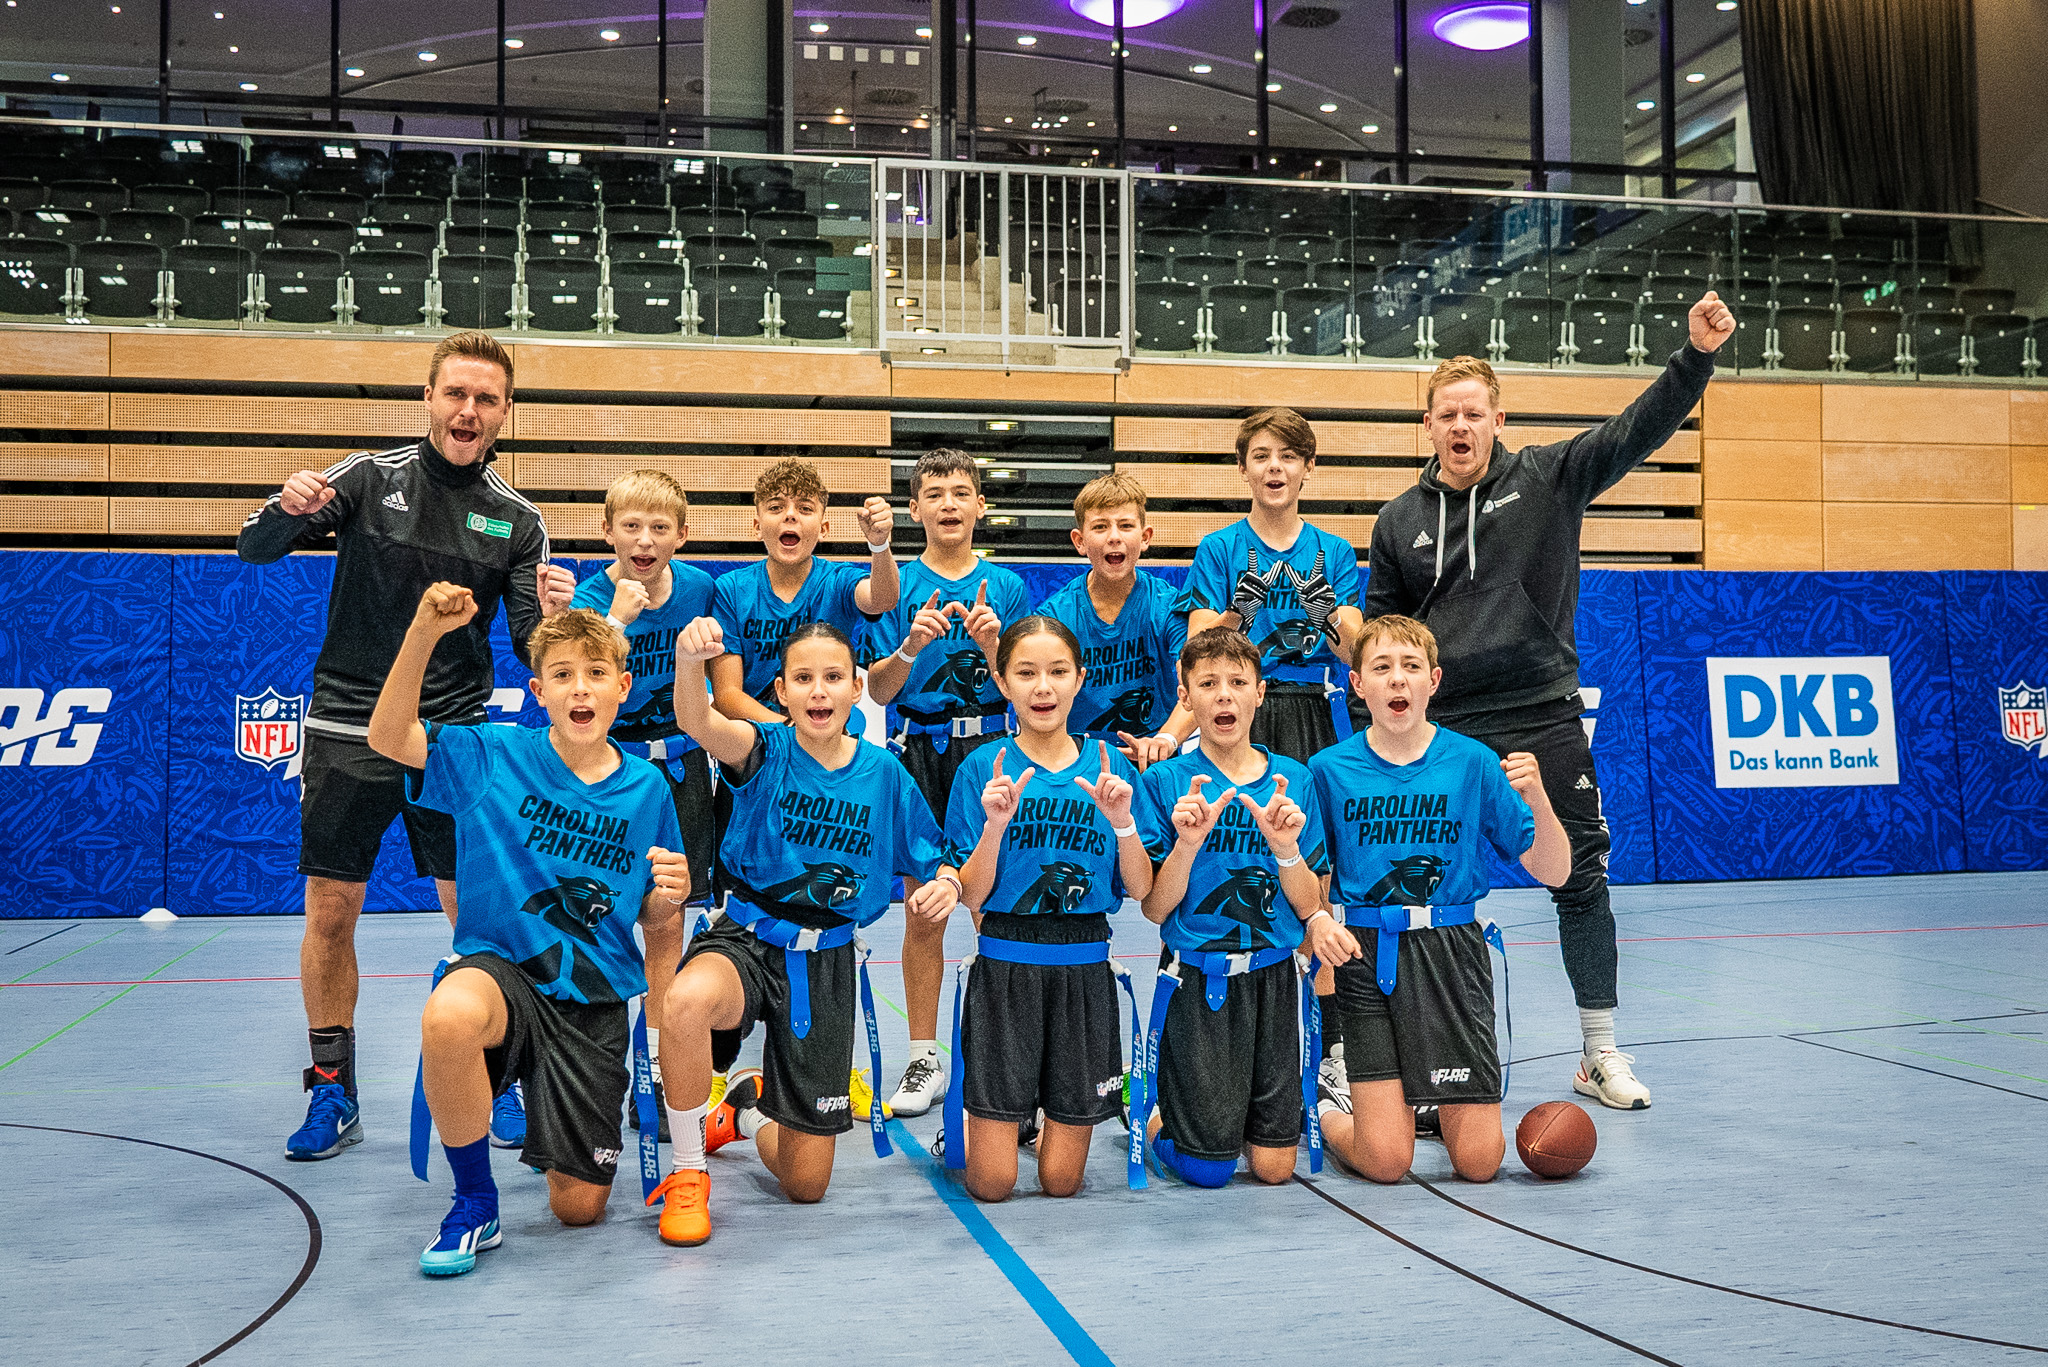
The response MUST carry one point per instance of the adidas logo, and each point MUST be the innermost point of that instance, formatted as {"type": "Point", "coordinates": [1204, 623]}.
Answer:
{"type": "Point", "coordinates": [395, 500]}
{"type": "Point", "coordinates": [1583, 783]}
{"type": "Point", "coordinates": [1421, 540]}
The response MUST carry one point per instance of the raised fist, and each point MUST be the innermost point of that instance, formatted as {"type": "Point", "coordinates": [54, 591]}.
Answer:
{"type": "Point", "coordinates": [305, 493]}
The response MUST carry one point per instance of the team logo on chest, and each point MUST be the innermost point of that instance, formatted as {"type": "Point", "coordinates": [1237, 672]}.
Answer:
{"type": "Point", "coordinates": [1060, 889]}
{"type": "Point", "coordinates": [2023, 716]}
{"type": "Point", "coordinates": [1245, 897]}
{"type": "Point", "coordinates": [1409, 882]}
{"type": "Point", "coordinates": [270, 730]}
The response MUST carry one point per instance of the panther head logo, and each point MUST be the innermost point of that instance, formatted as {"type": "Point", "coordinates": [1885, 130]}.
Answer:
{"type": "Point", "coordinates": [1408, 883]}
{"type": "Point", "coordinates": [827, 886]}
{"type": "Point", "coordinates": [1245, 897]}
{"type": "Point", "coordinates": [1060, 888]}
{"type": "Point", "coordinates": [659, 708]}
{"type": "Point", "coordinates": [1292, 642]}
{"type": "Point", "coordinates": [1130, 710]}
{"type": "Point", "coordinates": [574, 906]}
{"type": "Point", "coordinates": [964, 675]}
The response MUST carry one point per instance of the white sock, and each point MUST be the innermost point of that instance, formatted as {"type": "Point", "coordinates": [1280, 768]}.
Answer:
{"type": "Point", "coordinates": [686, 1136]}
{"type": "Point", "coordinates": [749, 1121]}
{"type": "Point", "coordinates": [1325, 1106]}
{"type": "Point", "coordinates": [1597, 1026]}
{"type": "Point", "coordinates": [924, 1048]}
{"type": "Point", "coordinates": [654, 1053]}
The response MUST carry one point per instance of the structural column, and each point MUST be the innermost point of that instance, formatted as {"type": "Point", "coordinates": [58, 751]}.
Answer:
{"type": "Point", "coordinates": [1583, 90]}
{"type": "Point", "coordinates": [746, 73]}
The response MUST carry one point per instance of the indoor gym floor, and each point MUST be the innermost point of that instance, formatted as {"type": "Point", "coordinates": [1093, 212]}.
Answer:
{"type": "Point", "coordinates": [1842, 1167]}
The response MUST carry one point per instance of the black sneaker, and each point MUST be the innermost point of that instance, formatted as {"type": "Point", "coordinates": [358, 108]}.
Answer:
{"type": "Point", "coordinates": [1429, 1123]}
{"type": "Point", "coordinates": [1027, 1132]}
{"type": "Point", "coordinates": [660, 1110]}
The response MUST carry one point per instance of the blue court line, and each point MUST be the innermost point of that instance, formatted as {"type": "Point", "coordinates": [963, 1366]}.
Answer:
{"type": "Point", "coordinates": [1072, 1337]}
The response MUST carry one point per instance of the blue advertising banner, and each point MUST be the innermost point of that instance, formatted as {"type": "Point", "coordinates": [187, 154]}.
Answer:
{"type": "Point", "coordinates": [84, 650]}
{"type": "Point", "coordinates": [1775, 748]}
{"type": "Point", "coordinates": [1998, 652]}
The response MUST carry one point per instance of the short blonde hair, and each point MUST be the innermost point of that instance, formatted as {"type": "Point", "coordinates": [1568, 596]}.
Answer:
{"type": "Point", "coordinates": [1461, 368]}
{"type": "Point", "coordinates": [649, 491]}
{"type": "Point", "coordinates": [1104, 492]}
{"type": "Point", "coordinates": [477, 346]}
{"type": "Point", "coordinates": [582, 628]}
{"type": "Point", "coordinates": [1400, 630]}
{"type": "Point", "coordinates": [790, 479]}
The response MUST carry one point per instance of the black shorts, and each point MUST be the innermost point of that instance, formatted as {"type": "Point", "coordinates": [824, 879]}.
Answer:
{"type": "Point", "coordinates": [1295, 720]}
{"type": "Point", "coordinates": [1436, 1032]}
{"type": "Point", "coordinates": [1232, 1077]}
{"type": "Point", "coordinates": [351, 794]}
{"type": "Point", "coordinates": [571, 1056]}
{"type": "Point", "coordinates": [933, 772]}
{"type": "Point", "coordinates": [1043, 1036]}
{"type": "Point", "coordinates": [803, 1081]}
{"type": "Point", "coordinates": [692, 795]}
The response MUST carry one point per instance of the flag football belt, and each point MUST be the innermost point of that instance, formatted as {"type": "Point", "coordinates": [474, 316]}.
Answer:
{"type": "Point", "coordinates": [1392, 921]}
{"type": "Point", "coordinates": [797, 944]}
{"type": "Point", "coordinates": [945, 730]}
{"type": "Point", "coordinates": [668, 753]}
{"type": "Point", "coordinates": [954, 1125]}
{"type": "Point", "coordinates": [1331, 686]}
{"type": "Point", "coordinates": [1217, 970]}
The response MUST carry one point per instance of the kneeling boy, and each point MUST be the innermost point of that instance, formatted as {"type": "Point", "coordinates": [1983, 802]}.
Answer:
{"type": "Point", "coordinates": [1408, 810]}
{"type": "Point", "coordinates": [563, 843]}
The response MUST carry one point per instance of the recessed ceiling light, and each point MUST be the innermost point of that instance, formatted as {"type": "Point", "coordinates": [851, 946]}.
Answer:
{"type": "Point", "coordinates": [610, 35]}
{"type": "Point", "coordinates": [1327, 107]}
{"type": "Point", "coordinates": [353, 71]}
{"type": "Point", "coordinates": [1272, 87]}
{"type": "Point", "coordinates": [924, 30]}
{"type": "Point", "coordinates": [821, 27]}
{"type": "Point", "coordinates": [1646, 104]}
{"type": "Point", "coordinates": [515, 43]}
{"type": "Point", "coordinates": [1008, 119]}
{"type": "Point", "coordinates": [1485, 27]}
{"type": "Point", "coordinates": [116, 9]}
{"type": "Point", "coordinates": [1091, 123]}
{"type": "Point", "coordinates": [1027, 40]}
{"type": "Point", "coordinates": [1201, 68]}
{"type": "Point", "coordinates": [218, 15]}
{"type": "Point", "coordinates": [1251, 132]}
{"type": "Point", "coordinates": [430, 56]}
{"type": "Point", "coordinates": [839, 111]}
{"type": "Point", "coordinates": [1368, 128]}
{"type": "Point", "coordinates": [1725, 5]}
{"type": "Point", "coordinates": [248, 85]}
{"type": "Point", "coordinates": [1173, 128]}
{"type": "Point", "coordinates": [233, 48]}
{"type": "Point", "coordinates": [1695, 77]}
{"type": "Point", "coordinates": [59, 76]}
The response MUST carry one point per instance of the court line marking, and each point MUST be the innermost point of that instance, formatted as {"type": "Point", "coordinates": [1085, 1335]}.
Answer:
{"type": "Point", "coordinates": [313, 1238]}
{"type": "Point", "coordinates": [32, 943]}
{"type": "Point", "coordinates": [1936, 1072]}
{"type": "Point", "coordinates": [1493, 1286]}
{"type": "Point", "coordinates": [1077, 1342]}
{"type": "Point", "coordinates": [62, 957]}
{"type": "Point", "coordinates": [104, 1005]}
{"type": "Point", "coordinates": [1798, 934]}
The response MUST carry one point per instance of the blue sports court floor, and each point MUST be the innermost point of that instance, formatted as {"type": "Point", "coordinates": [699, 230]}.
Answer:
{"type": "Point", "coordinates": [1844, 1165]}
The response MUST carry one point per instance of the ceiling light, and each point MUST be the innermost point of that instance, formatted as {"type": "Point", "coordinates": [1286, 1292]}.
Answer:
{"type": "Point", "coordinates": [515, 43]}
{"type": "Point", "coordinates": [610, 35]}
{"type": "Point", "coordinates": [1201, 68]}
{"type": "Point", "coordinates": [1327, 107]}
{"type": "Point", "coordinates": [1695, 77]}
{"type": "Point", "coordinates": [430, 56]}
{"type": "Point", "coordinates": [248, 85]}
{"type": "Point", "coordinates": [1646, 104]}
{"type": "Point", "coordinates": [1173, 128]}
{"type": "Point", "coordinates": [1137, 13]}
{"type": "Point", "coordinates": [1368, 128]}
{"type": "Point", "coordinates": [353, 71]}
{"type": "Point", "coordinates": [1483, 28]}
{"type": "Point", "coordinates": [233, 48]}
{"type": "Point", "coordinates": [924, 30]}
{"type": "Point", "coordinates": [114, 8]}
{"type": "Point", "coordinates": [821, 26]}
{"type": "Point", "coordinates": [1251, 132]}
{"type": "Point", "coordinates": [839, 110]}
{"type": "Point", "coordinates": [218, 15]}
{"type": "Point", "coordinates": [1725, 5]}
{"type": "Point", "coordinates": [1272, 87]}
{"type": "Point", "coordinates": [1091, 123]}
{"type": "Point", "coordinates": [1027, 40]}
{"type": "Point", "coordinates": [59, 76]}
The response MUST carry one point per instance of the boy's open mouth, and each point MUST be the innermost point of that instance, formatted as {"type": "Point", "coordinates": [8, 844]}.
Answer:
{"type": "Point", "coordinates": [819, 716]}
{"type": "Point", "coordinates": [1398, 706]}
{"type": "Point", "coordinates": [1276, 484]}
{"type": "Point", "coordinates": [1225, 719]}
{"type": "Point", "coordinates": [582, 716]}
{"type": "Point", "coordinates": [790, 540]}
{"type": "Point", "coordinates": [1114, 559]}
{"type": "Point", "coordinates": [644, 564]}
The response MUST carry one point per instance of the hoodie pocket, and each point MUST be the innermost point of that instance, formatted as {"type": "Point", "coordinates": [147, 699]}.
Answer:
{"type": "Point", "coordinates": [1491, 638]}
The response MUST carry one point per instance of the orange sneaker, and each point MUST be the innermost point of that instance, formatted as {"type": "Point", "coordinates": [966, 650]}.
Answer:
{"type": "Point", "coordinates": [722, 1125]}
{"type": "Point", "coordinates": [685, 1197]}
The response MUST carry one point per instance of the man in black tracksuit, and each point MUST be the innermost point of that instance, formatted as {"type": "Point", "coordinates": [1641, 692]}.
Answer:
{"type": "Point", "coordinates": [1485, 549]}
{"type": "Point", "coordinates": [401, 519]}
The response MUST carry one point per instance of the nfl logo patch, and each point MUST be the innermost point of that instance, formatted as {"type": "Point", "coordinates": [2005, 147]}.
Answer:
{"type": "Point", "coordinates": [2023, 712]}
{"type": "Point", "coordinates": [268, 729]}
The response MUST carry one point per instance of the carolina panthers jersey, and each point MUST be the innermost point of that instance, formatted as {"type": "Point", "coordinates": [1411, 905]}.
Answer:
{"type": "Point", "coordinates": [550, 870]}
{"type": "Point", "coordinates": [1233, 902]}
{"type": "Point", "coordinates": [756, 621]}
{"type": "Point", "coordinates": [1290, 647]}
{"type": "Point", "coordinates": [1059, 854]}
{"type": "Point", "coordinates": [951, 677]}
{"type": "Point", "coordinates": [809, 838]}
{"type": "Point", "coordinates": [1132, 683]}
{"type": "Point", "coordinates": [1416, 834]}
{"type": "Point", "coordinates": [650, 710]}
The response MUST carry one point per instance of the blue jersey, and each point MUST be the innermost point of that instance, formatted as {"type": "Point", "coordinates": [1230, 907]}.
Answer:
{"type": "Point", "coordinates": [951, 676]}
{"type": "Point", "coordinates": [756, 621]}
{"type": "Point", "coordinates": [551, 870]}
{"type": "Point", "coordinates": [650, 709]}
{"type": "Point", "coordinates": [1132, 682]}
{"type": "Point", "coordinates": [1416, 834]}
{"type": "Point", "coordinates": [820, 840]}
{"type": "Point", "coordinates": [1290, 649]}
{"type": "Point", "coordinates": [1233, 902]}
{"type": "Point", "coordinates": [1058, 853]}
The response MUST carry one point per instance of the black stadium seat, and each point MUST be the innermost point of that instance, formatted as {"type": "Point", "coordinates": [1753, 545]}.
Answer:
{"type": "Point", "coordinates": [315, 234]}
{"type": "Point", "coordinates": [623, 247]}
{"type": "Point", "coordinates": [1242, 244]}
{"type": "Point", "coordinates": [1167, 315]}
{"type": "Point", "coordinates": [638, 218]}
{"type": "Point", "coordinates": [390, 209]}
{"type": "Point", "coordinates": [707, 250]}
{"type": "Point", "coordinates": [1805, 337]}
{"type": "Point", "coordinates": [1462, 324]}
{"type": "Point", "coordinates": [490, 213]}
{"type": "Point", "coordinates": [788, 253]}
{"type": "Point", "coordinates": [1998, 344]}
{"type": "Point", "coordinates": [1316, 320]}
{"type": "Point", "coordinates": [300, 285]}
{"type": "Point", "coordinates": [1241, 318]}
{"type": "Point", "coordinates": [63, 225]}
{"type": "Point", "coordinates": [1937, 341]}
{"type": "Point", "coordinates": [159, 228]}
{"type": "Point", "coordinates": [809, 313]}
{"type": "Point", "coordinates": [100, 196]}
{"type": "Point", "coordinates": [560, 215]}
{"type": "Point", "coordinates": [1205, 270]}
{"type": "Point", "coordinates": [230, 230]}
{"type": "Point", "coordinates": [774, 223]}
{"type": "Point", "coordinates": [119, 279]}
{"type": "Point", "coordinates": [333, 204]}
{"type": "Point", "coordinates": [476, 291]}
{"type": "Point", "coordinates": [1870, 341]}
{"type": "Point", "coordinates": [397, 236]}
{"type": "Point", "coordinates": [389, 288]}
{"type": "Point", "coordinates": [732, 300]}
{"type": "Point", "coordinates": [698, 222]}
{"type": "Point", "coordinates": [1280, 273]}
{"type": "Point", "coordinates": [562, 293]}
{"type": "Point", "coordinates": [182, 200]}
{"type": "Point", "coordinates": [1599, 331]}
{"type": "Point", "coordinates": [17, 193]}
{"type": "Point", "coordinates": [464, 241]}
{"type": "Point", "coordinates": [209, 282]}
{"type": "Point", "coordinates": [35, 277]}
{"type": "Point", "coordinates": [252, 201]}
{"type": "Point", "coordinates": [1529, 329]}
{"type": "Point", "coordinates": [649, 296]}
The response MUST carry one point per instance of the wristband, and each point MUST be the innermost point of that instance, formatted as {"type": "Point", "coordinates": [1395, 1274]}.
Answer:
{"type": "Point", "coordinates": [1288, 864]}
{"type": "Point", "coordinates": [907, 659]}
{"type": "Point", "coordinates": [1121, 831]}
{"type": "Point", "coordinates": [614, 622]}
{"type": "Point", "coordinates": [876, 548]}
{"type": "Point", "coordinates": [954, 879]}
{"type": "Point", "coordinates": [1319, 911]}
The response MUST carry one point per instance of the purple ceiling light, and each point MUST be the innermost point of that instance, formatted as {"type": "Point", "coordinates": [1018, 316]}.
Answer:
{"type": "Point", "coordinates": [1483, 28]}
{"type": "Point", "coordinates": [1137, 13]}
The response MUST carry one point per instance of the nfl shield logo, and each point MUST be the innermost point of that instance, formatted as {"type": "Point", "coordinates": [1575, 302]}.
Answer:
{"type": "Point", "coordinates": [2024, 716]}
{"type": "Point", "coordinates": [268, 729]}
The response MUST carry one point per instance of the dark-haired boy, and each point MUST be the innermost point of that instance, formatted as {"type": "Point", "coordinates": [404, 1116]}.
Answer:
{"type": "Point", "coordinates": [1236, 838]}
{"type": "Point", "coordinates": [931, 662]}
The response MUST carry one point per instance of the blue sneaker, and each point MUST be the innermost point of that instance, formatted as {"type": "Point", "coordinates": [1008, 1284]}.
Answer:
{"type": "Point", "coordinates": [333, 1122]}
{"type": "Point", "coordinates": [471, 1227]}
{"type": "Point", "coordinates": [508, 1119]}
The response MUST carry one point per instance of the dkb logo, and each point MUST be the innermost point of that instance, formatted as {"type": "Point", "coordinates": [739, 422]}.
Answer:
{"type": "Point", "coordinates": [1802, 722]}
{"type": "Point", "coordinates": [60, 742]}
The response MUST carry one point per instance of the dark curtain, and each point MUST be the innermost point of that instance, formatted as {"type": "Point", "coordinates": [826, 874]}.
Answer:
{"type": "Point", "coordinates": [1867, 104]}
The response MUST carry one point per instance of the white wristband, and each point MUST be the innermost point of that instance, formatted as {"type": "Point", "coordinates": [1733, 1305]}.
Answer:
{"type": "Point", "coordinates": [876, 548]}
{"type": "Point", "coordinates": [958, 889]}
{"type": "Point", "coordinates": [614, 622]}
{"type": "Point", "coordinates": [907, 659]}
{"type": "Point", "coordinates": [1319, 911]}
{"type": "Point", "coordinates": [1287, 863]}
{"type": "Point", "coordinates": [1121, 831]}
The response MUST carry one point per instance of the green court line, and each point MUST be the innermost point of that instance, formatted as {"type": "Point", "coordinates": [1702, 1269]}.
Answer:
{"type": "Point", "coordinates": [62, 957]}
{"type": "Point", "coordinates": [109, 1001]}
{"type": "Point", "coordinates": [884, 1000]}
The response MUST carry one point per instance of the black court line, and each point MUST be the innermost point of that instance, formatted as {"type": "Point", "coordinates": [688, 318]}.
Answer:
{"type": "Point", "coordinates": [51, 936]}
{"type": "Point", "coordinates": [1493, 1286]}
{"type": "Point", "coordinates": [312, 1225]}
{"type": "Point", "coordinates": [1909, 1025]}
{"type": "Point", "coordinates": [1901, 1063]}
{"type": "Point", "coordinates": [1641, 1044]}
{"type": "Point", "coordinates": [1432, 1189]}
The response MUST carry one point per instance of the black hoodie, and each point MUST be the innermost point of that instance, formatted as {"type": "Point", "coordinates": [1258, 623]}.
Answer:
{"type": "Point", "coordinates": [1494, 569]}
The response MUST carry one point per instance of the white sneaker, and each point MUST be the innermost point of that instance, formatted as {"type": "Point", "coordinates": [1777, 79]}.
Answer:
{"type": "Point", "coordinates": [1608, 1079]}
{"type": "Point", "coordinates": [924, 1084]}
{"type": "Point", "coordinates": [1332, 1078]}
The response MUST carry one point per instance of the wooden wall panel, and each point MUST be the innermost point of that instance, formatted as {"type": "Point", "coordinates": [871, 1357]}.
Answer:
{"type": "Point", "coordinates": [32, 351]}
{"type": "Point", "coordinates": [1254, 386]}
{"type": "Point", "coordinates": [725, 426]}
{"type": "Point", "coordinates": [52, 515]}
{"type": "Point", "coordinates": [2030, 417]}
{"type": "Point", "coordinates": [1682, 449]}
{"type": "Point", "coordinates": [2029, 474]}
{"type": "Point", "coordinates": [32, 460]}
{"type": "Point", "coordinates": [1915, 413]}
{"type": "Point", "coordinates": [1330, 483]}
{"type": "Point", "coordinates": [1745, 535]}
{"type": "Point", "coordinates": [63, 412]}
{"type": "Point", "coordinates": [220, 464]}
{"type": "Point", "coordinates": [1643, 535]}
{"type": "Point", "coordinates": [994, 387]}
{"type": "Point", "coordinates": [856, 475]}
{"type": "Point", "coordinates": [1753, 468]}
{"type": "Point", "coordinates": [179, 516]}
{"type": "Point", "coordinates": [699, 369]}
{"type": "Point", "coordinates": [2030, 536]}
{"type": "Point", "coordinates": [1652, 489]}
{"type": "Point", "coordinates": [1756, 410]}
{"type": "Point", "coordinates": [146, 353]}
{"type": "Point", "coordinates": [1873, 472]}
{"type": "Point", "coordinates": [1524, 391]}
{"type": "Point", "coordinates": [1185, 529]}
{"type": "Point", "coordinates": [365, 419]}
{"type": "Point", "coordinates": [584, 522]}
{"type": "Point", "coordinates": [1918, 536]}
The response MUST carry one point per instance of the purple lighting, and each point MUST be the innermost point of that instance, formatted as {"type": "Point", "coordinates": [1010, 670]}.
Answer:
{"type": "Point", "coordinates": [1483, 28]}
{"type": "Point", "coordinates": [1137, 13]}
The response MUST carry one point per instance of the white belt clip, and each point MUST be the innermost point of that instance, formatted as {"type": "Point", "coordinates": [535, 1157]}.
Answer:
{"type": "Point", "coordinates": [806, 941]}
{"type": "Point", "coordinates": [962, 727]}
{"type": "Point", "coordinates": [1237, 965]}
{"type": "Point", "coordinates": [657, 749]}
{"type": "Point", "coordinates": [1337, 913]}
{"type": "Point", "coordinates": [1419, 918]}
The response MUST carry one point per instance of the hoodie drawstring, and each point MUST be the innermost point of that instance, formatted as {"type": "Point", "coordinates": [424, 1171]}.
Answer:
{"type": "Point", "coordinates": [1471, 532]}
{"type": "Point", "coordinates": [1439, 537]}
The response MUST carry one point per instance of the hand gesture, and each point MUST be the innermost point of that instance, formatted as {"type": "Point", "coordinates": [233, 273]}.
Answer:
{"type": "Point", "coordinates": [305, 493]}
{"type": "Point", "coordinates": [1318, 599]}
{"type": "Point", "coordinates": [933, 901]}
{"type": "Point", "coordinates": [671, 874]}
{"type": "Point", "coordinates": [1280, 820]}
{"type": "Point", "coordinates": [700, 641]}
{"type": "Point", "coordinates": [628, 600]}
{"type": "Point", "coordinates": [1146, 751]}
{"type": "Point", "coordinates": [877, 521]}
{"type": "Point", "coordinates": [1000, 796]}
{"type": "Point", "coordinates": [1709, 322]}
{"type": "Point", "coordinates": [981, 621]}
{"type": "Point", "coordinates": [1193, 818]}
{"type": "Point", "coordinates": [1248, 596]}
{"type": "Point", "coordinates": [555, 586]}
{"type": "Point", "coordinates": [1111, 792]}
{"type": "Point", "coordinates": [1330, 942]}
{"type": "Point", "coordinates": [927, 626]}
{"type": "Point", "coordinates": [1526, 778]}
{"type": "Point", "coordinates": [445, 607]}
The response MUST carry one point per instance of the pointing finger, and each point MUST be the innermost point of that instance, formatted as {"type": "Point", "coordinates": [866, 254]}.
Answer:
{"type": "Point", "coordinates": [1279, 787]}
{"type": "Point", "coordinates": [1025, 777]}
{"type": "Point", "coordinates": [1195, 786]}
{"type": "Point", "coordinates": [931, 604]}
{"type": "Point", "coordinates": [1105, 755]}
{"type": "Point", "coordinates": [981, 595]}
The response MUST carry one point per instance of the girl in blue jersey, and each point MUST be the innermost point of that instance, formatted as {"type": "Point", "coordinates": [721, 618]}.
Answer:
{"type": "Point", "coordinates": [822, 822]}
{"type": "Point", "coordinates": [1042, 826]}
